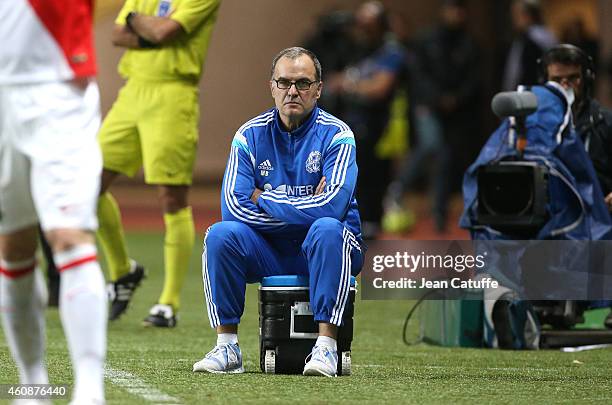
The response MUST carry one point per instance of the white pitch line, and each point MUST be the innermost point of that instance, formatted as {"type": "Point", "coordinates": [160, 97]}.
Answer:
{"type": "Point", "coordinates": [138, 387]}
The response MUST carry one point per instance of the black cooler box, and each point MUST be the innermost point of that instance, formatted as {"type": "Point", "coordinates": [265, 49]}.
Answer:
{"type": "Point", "coordinates": [287, 330]}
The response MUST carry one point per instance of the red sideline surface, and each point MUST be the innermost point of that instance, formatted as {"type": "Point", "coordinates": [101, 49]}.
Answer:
{"type": "Point", "coordinates": [141, 210]}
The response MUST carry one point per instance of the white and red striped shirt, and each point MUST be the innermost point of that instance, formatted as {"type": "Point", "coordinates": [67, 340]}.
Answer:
{"type": "Point", "coordinates": [46, 40]}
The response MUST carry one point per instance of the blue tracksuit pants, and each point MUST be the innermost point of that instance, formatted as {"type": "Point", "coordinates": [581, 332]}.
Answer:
{"type": "Point", "coordinates": [235, 254]}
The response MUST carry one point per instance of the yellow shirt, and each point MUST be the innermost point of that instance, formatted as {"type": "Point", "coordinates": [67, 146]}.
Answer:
{"type": "Point", "coordinates": [183, 57]}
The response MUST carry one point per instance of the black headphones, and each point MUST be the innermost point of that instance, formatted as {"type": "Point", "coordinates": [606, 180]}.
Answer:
{"type": "Point", "coordinates": [569, 54]}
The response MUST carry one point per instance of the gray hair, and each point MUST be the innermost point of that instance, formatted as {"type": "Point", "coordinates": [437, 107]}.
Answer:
{"type": "Point", "coordinates": [294, 53]}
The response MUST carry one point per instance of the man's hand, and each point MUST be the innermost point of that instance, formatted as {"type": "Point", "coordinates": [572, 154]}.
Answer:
{"type": "Point", "coordinates": [321, 187]}
{"type": "Point", "coordinates": [156, 30]}
{"type": "Point", "coordinates": [256, 193]}
{"type": "Point", "coordinates": [609, 201]}
{"type": "Point", "coordinates": [123, 37]}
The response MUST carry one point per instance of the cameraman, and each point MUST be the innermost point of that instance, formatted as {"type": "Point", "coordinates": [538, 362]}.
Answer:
{"type": "Point", "coordinates": [571, 67]}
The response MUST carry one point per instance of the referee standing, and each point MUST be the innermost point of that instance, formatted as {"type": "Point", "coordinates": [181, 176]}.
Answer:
{"type": "Point", "coordinates": [154, 124]}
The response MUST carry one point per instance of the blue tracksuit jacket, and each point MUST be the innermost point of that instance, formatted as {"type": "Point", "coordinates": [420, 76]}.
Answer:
{"type": "Point", "coordinates": [288, 167]}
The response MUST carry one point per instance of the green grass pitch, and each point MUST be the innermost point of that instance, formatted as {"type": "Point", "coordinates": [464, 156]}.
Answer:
{"type": "Point", "coordinates": [154, 366]}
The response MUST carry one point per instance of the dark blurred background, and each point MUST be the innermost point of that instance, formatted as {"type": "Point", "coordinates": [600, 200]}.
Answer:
{"type": "Point", "coordinates": [249, 33]}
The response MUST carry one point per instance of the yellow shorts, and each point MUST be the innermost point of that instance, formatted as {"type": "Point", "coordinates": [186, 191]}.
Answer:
{"type": "Point", "coordinates": [153, 125]}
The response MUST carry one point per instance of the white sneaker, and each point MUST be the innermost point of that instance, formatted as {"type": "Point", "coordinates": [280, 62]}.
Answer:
{"type": "Point", "coordinates": [323, 361]}
{"type": "Point", "coordinates": [222, 359]}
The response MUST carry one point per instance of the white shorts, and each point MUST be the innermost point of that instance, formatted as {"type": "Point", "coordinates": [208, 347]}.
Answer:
{"type": "Point", "coordinates": [50, 161]}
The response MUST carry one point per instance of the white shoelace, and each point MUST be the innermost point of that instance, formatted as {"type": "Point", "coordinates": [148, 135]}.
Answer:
{"type": "Point", "coordinates": [323, 349]}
